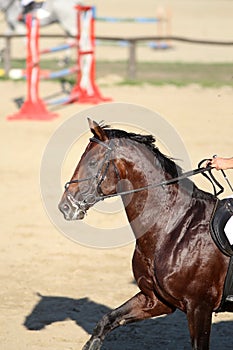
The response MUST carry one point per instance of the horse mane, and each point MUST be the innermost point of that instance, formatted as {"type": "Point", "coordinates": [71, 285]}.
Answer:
{"type": "Point", "coordinates": [167, 163]}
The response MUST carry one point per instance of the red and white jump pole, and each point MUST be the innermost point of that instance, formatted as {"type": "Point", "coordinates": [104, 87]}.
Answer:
{"type": "Point", "coordinates": [86, 90]}
{"type": "Point", "coordinates": [33, 108]}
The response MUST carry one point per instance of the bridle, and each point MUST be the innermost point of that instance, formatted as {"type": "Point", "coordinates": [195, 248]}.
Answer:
{"type": "Point", "coordinates": [93, 197]}
{"type": "Point", "coordinates": [102, 171]}
{"type": "Point", "coordinates": [94, 193]}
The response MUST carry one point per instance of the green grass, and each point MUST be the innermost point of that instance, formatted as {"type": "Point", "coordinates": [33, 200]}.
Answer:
{"type": "Point", "coordinates": [157, 73]}
{"type": "Point", "coordinates": [175, 73]}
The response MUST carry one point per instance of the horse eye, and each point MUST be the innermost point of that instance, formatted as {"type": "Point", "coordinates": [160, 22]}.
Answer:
{"type": "Point", "coordinates": [92, 163]}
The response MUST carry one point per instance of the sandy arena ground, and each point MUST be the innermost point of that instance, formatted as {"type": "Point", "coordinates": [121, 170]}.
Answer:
{"type": "Point", "coordinates": [53, 291]}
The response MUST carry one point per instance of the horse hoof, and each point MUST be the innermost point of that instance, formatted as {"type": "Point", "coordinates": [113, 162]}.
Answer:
{"type": "Point", "coordinates": [93, 344]}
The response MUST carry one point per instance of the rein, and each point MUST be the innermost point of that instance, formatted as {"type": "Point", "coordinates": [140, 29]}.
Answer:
{"type": "Point", "coordinates": [171, 181]}
{"type": "Point", "coordinates": [205, 171]}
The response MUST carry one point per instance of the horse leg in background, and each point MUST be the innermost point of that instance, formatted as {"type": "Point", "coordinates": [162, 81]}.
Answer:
{"type": "Point", "coordinates": [199, 322]}
{"type": "Point", "coordinates": [137, 308]}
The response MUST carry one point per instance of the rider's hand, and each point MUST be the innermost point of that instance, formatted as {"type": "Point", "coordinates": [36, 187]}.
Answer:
{"type": "Point", "coordinates": [221, 163]}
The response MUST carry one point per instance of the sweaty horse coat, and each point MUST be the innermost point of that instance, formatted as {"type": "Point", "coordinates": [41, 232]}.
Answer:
{"type": "Point", "coordinates": [176, 263]}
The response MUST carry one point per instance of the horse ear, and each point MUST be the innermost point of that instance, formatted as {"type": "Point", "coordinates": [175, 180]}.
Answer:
{"type": "Point", "coordinates": [97, 131]}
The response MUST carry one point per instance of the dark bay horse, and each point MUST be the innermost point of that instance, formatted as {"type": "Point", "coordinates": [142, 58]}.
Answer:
{"type": "Point", "coordinates": [176, 263]}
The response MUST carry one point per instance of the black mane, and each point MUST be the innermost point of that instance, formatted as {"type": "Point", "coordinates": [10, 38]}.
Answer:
{"type": "Point", "coordinates": [168, 165]}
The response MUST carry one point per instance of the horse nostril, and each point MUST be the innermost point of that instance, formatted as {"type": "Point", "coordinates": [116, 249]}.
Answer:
{"type": "Point", "coordinates": [65, 207]}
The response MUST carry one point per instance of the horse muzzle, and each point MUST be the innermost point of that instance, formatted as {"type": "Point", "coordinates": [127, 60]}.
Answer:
{"type": "Point", "coordinates": [72, 209]}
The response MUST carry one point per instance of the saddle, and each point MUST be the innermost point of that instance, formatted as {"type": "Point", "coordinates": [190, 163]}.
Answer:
{"type": "Point", "coordinates": [223, 212]}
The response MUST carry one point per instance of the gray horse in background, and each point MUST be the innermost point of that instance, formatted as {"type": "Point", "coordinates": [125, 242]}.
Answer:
{"type": "Point", "coordinates": [60, 11]}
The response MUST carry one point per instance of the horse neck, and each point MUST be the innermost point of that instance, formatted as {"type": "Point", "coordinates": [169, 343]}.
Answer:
{"type": "Point", "coordinates": [156, 208]}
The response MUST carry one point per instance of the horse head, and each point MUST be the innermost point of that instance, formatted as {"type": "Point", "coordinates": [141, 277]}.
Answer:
{"type": "Point", "coordinates": [95, 177]}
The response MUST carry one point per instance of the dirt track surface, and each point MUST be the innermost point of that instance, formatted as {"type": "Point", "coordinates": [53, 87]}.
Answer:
{"type": "Point", "coordinates": [53, 291]}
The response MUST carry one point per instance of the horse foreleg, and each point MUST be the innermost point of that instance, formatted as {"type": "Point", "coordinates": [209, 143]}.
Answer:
{"type": "Point", "coordinates": [199, 321]}
{"type": "Point", "coordinates": [137, 308]}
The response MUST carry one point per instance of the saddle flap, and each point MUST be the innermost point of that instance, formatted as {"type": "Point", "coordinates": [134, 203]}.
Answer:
{"type": "Point", "coordinates": [222, 214]}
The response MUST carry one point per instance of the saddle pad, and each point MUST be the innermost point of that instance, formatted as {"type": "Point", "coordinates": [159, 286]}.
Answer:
{"type": "Point", "coordinates": [222, 214]}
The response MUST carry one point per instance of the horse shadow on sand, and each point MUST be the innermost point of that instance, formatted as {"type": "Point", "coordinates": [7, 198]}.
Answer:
{"type": "Point", "coordinates": [167, 332]}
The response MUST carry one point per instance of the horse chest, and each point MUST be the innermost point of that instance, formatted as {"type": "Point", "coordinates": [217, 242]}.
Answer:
{"type": "Point", "coordinates": [143, 269]}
